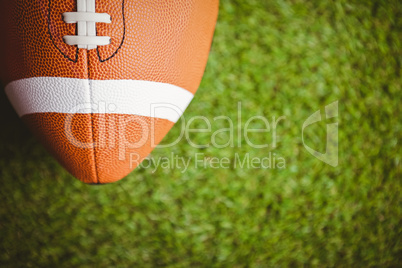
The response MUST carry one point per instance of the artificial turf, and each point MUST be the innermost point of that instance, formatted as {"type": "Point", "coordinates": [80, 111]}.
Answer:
{"type": "Point", "coordinates": [272, 59]}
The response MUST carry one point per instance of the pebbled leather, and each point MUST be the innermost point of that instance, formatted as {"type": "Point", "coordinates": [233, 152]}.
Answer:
{"type": "Point", "coordinates": [159, 41]}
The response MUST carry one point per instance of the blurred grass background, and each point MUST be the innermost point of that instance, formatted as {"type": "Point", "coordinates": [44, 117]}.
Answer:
{"type": "Point", "coordinates": [278, 58]}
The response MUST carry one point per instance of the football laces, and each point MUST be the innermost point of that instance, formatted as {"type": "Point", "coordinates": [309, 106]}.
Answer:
{"type": "Point", "coordinates": [86, 19]}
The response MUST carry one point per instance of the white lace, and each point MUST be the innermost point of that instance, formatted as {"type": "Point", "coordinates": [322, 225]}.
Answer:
{"type": "Point", "coordinates": [86, 20]}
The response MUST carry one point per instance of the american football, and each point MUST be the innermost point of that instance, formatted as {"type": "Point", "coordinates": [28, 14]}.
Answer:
{"type": "Point", "coordinates": [99, 80]}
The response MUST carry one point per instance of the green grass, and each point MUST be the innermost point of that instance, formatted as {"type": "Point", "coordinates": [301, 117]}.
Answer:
{"type": "Point", "coordinates": [278, 58]}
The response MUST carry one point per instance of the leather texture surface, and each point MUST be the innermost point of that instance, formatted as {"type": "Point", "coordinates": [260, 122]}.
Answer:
{"type": "Point", "coordinates": [159, 41]}
{"type": "Point", "coordinates": [98, 148]}
{"type": "Point", "coordinates": [153, 99]}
